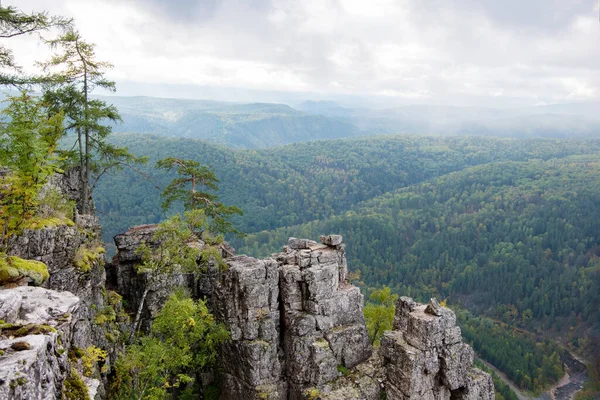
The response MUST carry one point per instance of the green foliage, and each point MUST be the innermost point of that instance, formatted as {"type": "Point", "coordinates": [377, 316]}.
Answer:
{"type": "Point", "coordinates": [87, 255]}
{"type": "Point", "coordinates": [343, 370]}
{"type": "Point", "coordinates": [13, 269]}
{"type": "Point", "coordinates": [13, 23]}
{"type": "Point", "coordinates": [74, 388]}
{"type": "Point", "coordinates": [305, 182]}
{"type": "Point", "coordinates": [312, 394]}
{"type": "Point", "coordinates": [379, 313]}
{"type": "Point", "coordinates": [177, 248]}
{"type": "Point", "coordinates": [531, 363]}
{"type": "Point", "coordinates": [53, 204]}
{"type": "Point", "coordinates": [90, 359]}
{"type": "Point", "coordinates": [27, 144]}
{"type": "Point", "coordinates": [518, 240]}
{"type": "Point", "coordinates": [183, 343]}
{"type": "Point", "coordinates": [185, 188]}
{"type": "Point", "coordinates": [503, 391]}
{"type": "Point", "coordinates": [18, 330]}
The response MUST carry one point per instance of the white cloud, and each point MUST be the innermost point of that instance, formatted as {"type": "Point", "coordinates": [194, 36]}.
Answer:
{"type": "Point", "coordinates": [434, 51]}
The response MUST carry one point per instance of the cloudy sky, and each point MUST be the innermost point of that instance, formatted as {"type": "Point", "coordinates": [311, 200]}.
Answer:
{"type": "Point", "coordinates": [462, 52]}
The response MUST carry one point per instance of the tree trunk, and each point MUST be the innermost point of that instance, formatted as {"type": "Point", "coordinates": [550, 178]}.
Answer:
{"type": "Point", "coordinates": [86, 183]}
{"type": "Point", "coordinates": [138, 315]}
{"type": "Point", "coordinates": [81, 173]}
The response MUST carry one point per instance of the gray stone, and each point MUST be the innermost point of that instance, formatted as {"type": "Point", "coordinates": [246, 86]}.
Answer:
{"type": "Point", "coordinates": [478, 386]}
{"type": "Point", "coordinates": [331, 240]}
{"type": "Point", "coordinates": [350, 344]}
{"type": "Point", "coordinates": [297, 244]}
{"type": "Point", "coordinates": [424, 357]}
{"type": "Point", "coordinates": [10, 304]}
{"type": "Point", "coordinates": [36, 373]}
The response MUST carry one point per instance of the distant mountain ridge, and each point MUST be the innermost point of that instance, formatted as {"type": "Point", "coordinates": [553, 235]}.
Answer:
{"type": "Point", "coordinates": [254, 125]}
{"type": "Point", "coordinates": [264, 125]}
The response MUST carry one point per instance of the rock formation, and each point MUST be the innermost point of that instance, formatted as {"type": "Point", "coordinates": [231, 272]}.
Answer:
{"type": "Point", "coordinates": [296, 323]}
{"type": "Point", "coordinates": [73, 301]}
{"type": "Point", "coordinates": [424, 357]}
{"type": "Point", "coordinates": [297, 326]}
{"type": "Point", "coordinates": [33, 360]}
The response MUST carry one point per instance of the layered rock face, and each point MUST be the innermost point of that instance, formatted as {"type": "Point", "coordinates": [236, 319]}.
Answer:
{"type": "Point", "coordinates": [297, 324]}
{"type": "Point", "coordinates": [35, 365]}
{"type": "Point", "coordinates": [77, 276]}
{"type": "Point", "coordinates": [294, 319]}
{"type": "Point", "coordinates": [424, 357]}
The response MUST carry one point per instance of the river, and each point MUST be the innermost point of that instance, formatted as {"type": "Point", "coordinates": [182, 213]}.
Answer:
{"type": "Point", "coordinates": [572, 382]}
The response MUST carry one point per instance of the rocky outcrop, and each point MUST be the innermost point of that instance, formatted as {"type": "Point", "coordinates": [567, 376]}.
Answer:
{"type": "Point", "coordinates": [122, 275]}
{"type": "Point", "coordinates": [73, 255]}
{"type": "Point", "coordinates": [246, 299]}
{"type": "Point", "coordinates": [424, 357]}
{"type": "Point", "coordinates": [298, 332]}
{"type": "Point", "coordinates": [37, 330]}
{"type": "Point", "coordinates": [294, 318]}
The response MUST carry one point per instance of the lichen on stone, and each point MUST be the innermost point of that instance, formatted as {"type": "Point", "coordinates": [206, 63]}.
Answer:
{"type": "Point", "coordinates": [14, 269]}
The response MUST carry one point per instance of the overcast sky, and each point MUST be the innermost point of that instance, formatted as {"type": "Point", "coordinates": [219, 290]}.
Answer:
{"type": "Point", "coordinates": [463, 52]}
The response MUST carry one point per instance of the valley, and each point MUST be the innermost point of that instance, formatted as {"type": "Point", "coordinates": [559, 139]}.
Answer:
{"type": "Point", "coordinates": [504, 227]}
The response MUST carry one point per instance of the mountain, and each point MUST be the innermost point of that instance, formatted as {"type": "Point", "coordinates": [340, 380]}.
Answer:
{"type": "Point", "coordinates": [254, 125]}
{"type": "Point", "coordinates": [303, 182]}
{"type": "Point", "coordinates": [265, 125]}
{"type": "Point", "coordinates": [557, 120]}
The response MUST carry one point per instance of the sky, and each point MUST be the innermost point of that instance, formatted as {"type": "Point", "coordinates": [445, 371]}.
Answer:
{"type": "Point", "coordinates": [507, 53]}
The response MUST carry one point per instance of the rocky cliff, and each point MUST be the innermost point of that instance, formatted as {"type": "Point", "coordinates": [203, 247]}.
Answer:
{"type": "Point", "coordinates": [297, 327]}
{"type": "Point", "coordinates": [59, 324]}
{"type": "Point", "coordinates": [298, 332]}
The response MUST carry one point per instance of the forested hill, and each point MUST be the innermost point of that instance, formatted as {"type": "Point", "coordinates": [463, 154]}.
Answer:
{"type": "Point", "coordinates": [518, 240]}
{"type": "Point", "coordinates": [304, 182]}
{"type": "Point", "coordinates": [254, 125]}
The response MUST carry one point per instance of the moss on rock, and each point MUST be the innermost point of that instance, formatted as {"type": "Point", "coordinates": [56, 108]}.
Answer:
{"type": "Point", "coordinates": [14, 269]}
{"type": "Point", "coordinates": [74, 388]}
{"type": "Point", "coordinates": [87, 255]}
{"type": "Point", "coordinates": [36, 223]}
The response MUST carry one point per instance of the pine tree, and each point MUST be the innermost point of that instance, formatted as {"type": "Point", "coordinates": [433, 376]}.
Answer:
{"type": "Point", "coordinates": [186, 188]}
{"type": "Point", "coordinates": [72, 75]}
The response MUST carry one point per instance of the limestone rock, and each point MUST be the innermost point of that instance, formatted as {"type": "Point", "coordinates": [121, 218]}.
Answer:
{"type": "Point", "coordinates": [331, 240]}
{"type": "Point", "coordinates": [300, 308]}
{"type": "Point", "coordinates": [10, 304]}
{"type": "Point", "coordinates": [424, 357]}
{"type": "Point", "coordinates": [35, 373]}
{"type": "Point", "coordinates": [34, 366]}
{"type": "Point", "coordinates": [246, 299]}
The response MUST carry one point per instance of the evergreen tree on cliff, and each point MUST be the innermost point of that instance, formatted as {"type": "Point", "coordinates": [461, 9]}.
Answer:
{"type": "Point", "coordinates": [73, 72]}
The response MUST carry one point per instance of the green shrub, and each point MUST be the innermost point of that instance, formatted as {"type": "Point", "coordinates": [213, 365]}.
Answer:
{"type": "Point", "coordinates": [52, 204]}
